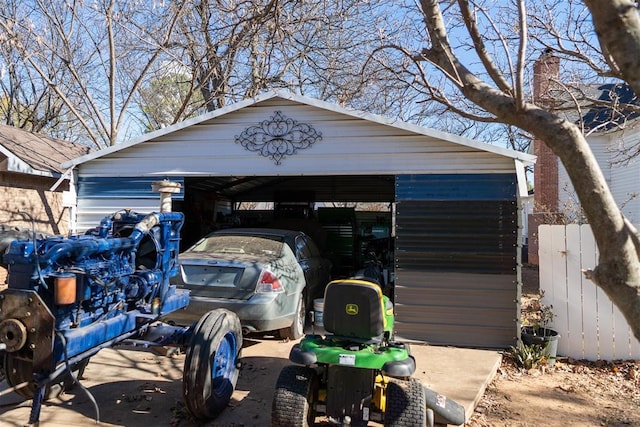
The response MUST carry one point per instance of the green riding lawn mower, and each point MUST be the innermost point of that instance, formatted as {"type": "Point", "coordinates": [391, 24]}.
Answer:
{"type": "Point", "coordinates": [356, 372]}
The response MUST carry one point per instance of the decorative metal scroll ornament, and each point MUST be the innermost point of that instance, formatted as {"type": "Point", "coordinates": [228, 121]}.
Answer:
{"type": "Point", "coordinates": [278, 137]}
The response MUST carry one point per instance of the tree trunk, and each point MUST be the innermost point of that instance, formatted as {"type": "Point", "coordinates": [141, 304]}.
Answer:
{"type": "Point", "coordinates": [618, 270]}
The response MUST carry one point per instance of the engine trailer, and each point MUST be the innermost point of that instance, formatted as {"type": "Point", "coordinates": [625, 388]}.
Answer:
{"type": "Point", "coordinates": [68, 298]}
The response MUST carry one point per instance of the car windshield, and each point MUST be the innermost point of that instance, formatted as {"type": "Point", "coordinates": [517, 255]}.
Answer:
{"type": "Point", "coordinates": [249, 245]}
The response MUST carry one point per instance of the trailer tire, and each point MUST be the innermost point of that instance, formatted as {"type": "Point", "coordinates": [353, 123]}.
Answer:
{"type": "Point", "coordinates": [211, 365]}
{"type": "Point", "coordinates": [296, 390]}
{"type": "Point", "coordinates": [406, 404]}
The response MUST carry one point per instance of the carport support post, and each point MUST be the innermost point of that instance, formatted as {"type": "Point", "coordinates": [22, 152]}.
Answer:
{"type": "Point", "coordinates": [165, 188]}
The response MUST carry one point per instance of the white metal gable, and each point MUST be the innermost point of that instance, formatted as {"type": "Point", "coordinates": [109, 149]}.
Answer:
{"type": "Point", "coordinates": [350, 143]}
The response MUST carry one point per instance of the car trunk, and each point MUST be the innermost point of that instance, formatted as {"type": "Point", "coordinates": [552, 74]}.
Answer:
{"type": "Point", "coordinates": [220, 278]}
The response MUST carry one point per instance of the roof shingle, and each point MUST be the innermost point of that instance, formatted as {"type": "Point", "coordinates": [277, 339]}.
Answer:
{"type": "Point", "coordinates": [40, 152]}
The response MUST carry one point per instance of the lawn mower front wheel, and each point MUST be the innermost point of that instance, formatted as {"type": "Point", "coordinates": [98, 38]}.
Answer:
{"type": "Point", "coordinates": [296, 390]}
{"type": "Point", "coordinates": [406, 405]}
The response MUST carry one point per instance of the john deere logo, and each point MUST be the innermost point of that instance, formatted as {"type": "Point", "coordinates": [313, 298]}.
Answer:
{"type": "Point", "coordinates": [352, 309]}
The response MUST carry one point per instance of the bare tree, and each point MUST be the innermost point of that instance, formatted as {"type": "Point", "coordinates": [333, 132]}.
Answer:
{"type": "Point", "coordinates": [106, 68]}
{"type": "Point", "coordinates": [91, 56]}
{"type": "Point", "coordinates": [237, 49]}
{"type": "Point", "coordinates": [112, 69]}
{"type": "Point", "coordinates": [167, 97]}
{"type": "Point", "coordinates": [475, 63]}
{"type": "Point", "coordinates": [26, 101]}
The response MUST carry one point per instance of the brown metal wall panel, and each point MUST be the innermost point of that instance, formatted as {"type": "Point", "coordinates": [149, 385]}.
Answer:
{"type": "Point", "coordinates": [472, 236]}
{"type": "Point", "coordinates": [469, 316]}
{"type": "Point", "coordinates": [471, 336]}
{"type": "Point", "coordinates": [456, 269]}
{"type": "Point", "coordinates": [462, 298]}
{"type": "Point", "coordinates": [457, 280]}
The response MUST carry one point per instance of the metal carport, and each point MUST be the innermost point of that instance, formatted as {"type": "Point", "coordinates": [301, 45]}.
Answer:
{"type": "Point", "coordinates": [456, 200]}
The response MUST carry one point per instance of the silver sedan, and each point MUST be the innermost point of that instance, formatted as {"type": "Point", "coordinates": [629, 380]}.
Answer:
{"type": "Point", "coordinates": [268, 277]}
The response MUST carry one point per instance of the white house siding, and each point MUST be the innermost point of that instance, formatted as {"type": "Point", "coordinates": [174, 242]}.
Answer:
{"type": "Point", "coordinates": [625, 184]}
{"type": "Point", "coordinates": [566, 193]}
{"type": "Point", "coordinates": [623, 178]}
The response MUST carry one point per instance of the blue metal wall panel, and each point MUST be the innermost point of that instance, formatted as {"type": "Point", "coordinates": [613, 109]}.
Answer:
{"type": "Point", "coordinates": [456, 187]}
{"type": "Point", "coordinates": [123, 187]}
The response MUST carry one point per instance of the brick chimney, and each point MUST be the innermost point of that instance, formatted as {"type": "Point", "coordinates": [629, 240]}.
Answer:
{"type": "Point", "coordinates": [545, 172]}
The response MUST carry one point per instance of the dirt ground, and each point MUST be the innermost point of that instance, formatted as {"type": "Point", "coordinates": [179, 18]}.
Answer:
{"type": "Point", "coordinates": [572, 393]}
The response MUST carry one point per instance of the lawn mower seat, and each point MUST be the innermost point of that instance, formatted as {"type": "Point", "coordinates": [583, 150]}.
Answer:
{"type": "Point", "coordinates": [354, 309]}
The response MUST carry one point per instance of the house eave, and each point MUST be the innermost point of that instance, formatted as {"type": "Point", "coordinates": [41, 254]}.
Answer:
{"type": "Point", "coordinates": [16, 165]}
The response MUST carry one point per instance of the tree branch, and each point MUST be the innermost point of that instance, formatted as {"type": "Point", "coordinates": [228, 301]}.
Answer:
{"type": "Point", "coordinates": [480, 48]}
{"type": "Point", "coordinates": [617, 26]}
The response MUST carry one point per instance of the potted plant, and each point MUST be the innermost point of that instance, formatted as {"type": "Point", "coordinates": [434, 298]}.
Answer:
{"type": "Point", "coordinates": [537, 330]}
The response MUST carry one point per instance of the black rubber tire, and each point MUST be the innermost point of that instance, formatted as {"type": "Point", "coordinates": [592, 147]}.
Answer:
{"type": "Point", "coordinates": [406, 404]}
{"type": "Point", "coordinates": [296, 330]}
{"type": "Point", "coordinates": [296, 391]}
{"type": "Point", "coordinates": [211, 363]}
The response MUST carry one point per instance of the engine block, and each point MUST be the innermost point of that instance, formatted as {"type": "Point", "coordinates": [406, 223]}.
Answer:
{"type": "Point", "coordinates": [69, 297]}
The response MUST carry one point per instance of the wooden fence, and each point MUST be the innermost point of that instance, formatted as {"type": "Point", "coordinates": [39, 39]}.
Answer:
{"type": "Point", "coordinates": [591, 327]}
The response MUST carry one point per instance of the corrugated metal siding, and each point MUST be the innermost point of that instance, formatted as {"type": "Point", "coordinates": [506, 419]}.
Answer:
{"type": "Point", "coordinates": [469, 186]}
{"type": "Point", "coordinates": [133, 187]}
{"type": "Point", "coordinates": [102, 196]}
{"type": "Point", "coordinates": [91, 211]}
{"type": "Point", "coordinates": [456, 259]}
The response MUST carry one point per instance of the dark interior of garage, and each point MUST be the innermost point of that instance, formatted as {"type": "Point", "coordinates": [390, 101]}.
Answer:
{"type": "Point", "coordinates": [349, 217]}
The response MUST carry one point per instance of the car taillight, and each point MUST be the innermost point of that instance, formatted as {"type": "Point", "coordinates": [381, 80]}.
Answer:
{"type": "Point", "coordinates": [268, 282]}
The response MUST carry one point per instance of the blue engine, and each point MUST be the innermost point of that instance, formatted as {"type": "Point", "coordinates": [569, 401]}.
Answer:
{"type": "Point", "coordinates": [69, 297]}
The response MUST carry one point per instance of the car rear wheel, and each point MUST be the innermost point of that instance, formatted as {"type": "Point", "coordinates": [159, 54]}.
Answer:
{"type": "Point", "coordinates": [211, 363]}
{"type": "Point", "coordinates": [296, 330]}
